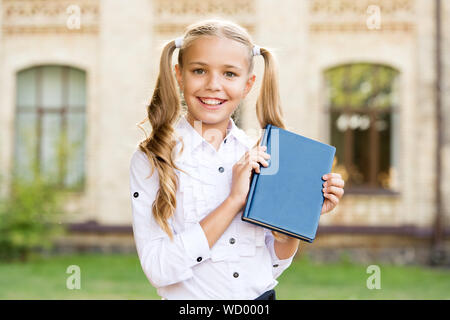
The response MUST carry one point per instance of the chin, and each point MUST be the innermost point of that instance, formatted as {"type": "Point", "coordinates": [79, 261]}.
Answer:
{"type": "Point", "coordinates": [211, 117]}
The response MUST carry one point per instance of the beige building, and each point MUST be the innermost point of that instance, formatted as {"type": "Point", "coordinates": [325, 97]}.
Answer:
{"type": "Point", "coordinates": [360, 75]}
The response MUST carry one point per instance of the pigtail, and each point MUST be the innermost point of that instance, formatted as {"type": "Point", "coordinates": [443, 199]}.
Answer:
{"type": "Point", "coordinates": [163, 110]}
{"type": "Point", "coordinates": [268, 105]}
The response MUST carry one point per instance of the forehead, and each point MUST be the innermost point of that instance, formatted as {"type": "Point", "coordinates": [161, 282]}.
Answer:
{"type": "Point", "coordinates": [217, 51]}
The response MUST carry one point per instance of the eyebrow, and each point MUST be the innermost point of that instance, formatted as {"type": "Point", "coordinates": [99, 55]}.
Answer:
{"type": "Point", "coordinates": [225, 65]}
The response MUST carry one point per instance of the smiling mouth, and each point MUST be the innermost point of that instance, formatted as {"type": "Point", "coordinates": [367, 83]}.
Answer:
{"type": "Point", "coordinates": [212, 103]}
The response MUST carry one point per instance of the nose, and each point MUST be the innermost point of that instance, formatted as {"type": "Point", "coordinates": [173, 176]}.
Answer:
{"type": "Point", "coordinates": [213, 82]}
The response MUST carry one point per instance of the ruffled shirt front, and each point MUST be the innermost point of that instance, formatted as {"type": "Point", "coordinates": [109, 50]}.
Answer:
{"type": "Point", "coordinates": [242, 264]}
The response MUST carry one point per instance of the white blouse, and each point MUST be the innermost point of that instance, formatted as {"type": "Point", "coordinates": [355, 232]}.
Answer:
{"type": "Point", "coordinates": [242, 264]}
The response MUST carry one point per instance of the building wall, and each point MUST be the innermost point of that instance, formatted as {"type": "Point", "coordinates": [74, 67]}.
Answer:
{"type": "Point", "coordinates": [125, 68]}
{"type": "Point", "coordinates": [390, 45]}
{"type": "Point", "coordinates": [446, 108]}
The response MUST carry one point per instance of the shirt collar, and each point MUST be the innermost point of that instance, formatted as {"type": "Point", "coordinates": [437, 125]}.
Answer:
{"type": "Point", "coordinates": [194, 139]}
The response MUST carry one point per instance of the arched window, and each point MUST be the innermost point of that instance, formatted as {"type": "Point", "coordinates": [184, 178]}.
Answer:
{"type": "Point", "coordinates": [50, 125]}
{"type": "Point", "coordinates": [362, 100]}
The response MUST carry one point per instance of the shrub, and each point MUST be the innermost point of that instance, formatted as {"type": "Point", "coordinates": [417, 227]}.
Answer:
{"type": "Point", "coordinates": [30, 216]}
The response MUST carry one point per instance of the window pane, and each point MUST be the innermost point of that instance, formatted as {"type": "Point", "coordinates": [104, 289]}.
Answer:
{"type": "Point", "coordinates": [77, 88]}
{"type": "Point", "coordinates": [25, 145]}
{"type": "Point", "coordinates": [337, 136]}
{"type": "Point", "coordinates": [62, 147]}
{"type": "Point", "coordinates": [26, 88]}
{"type": "Point", "coordinates": [381, 96]}
{"type": "Point", "coordinates": [361, 78]}
{"type": "Point", "coordinates": [76, 150]}
{"type": "Point", "coordinates": [50, 145]}
{"type": "Point", "coordinates": [52, 87]}
{"type": "Point", "coordinates": [360, 86]}
{"type": "Point", "coordinates": [334, 80]}
{"type": "Point", "coordinates": [359, 171]}
{"type": "Point", "coordinates": [384, 178]}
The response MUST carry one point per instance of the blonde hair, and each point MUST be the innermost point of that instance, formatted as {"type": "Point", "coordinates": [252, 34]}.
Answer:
{"type": "Point", "coordinates": [165, 108]}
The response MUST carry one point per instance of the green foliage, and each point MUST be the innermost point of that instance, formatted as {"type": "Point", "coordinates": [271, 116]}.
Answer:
{"type": "Point", "coordinates": [29, 217]}
{"type": "Point", "coordinates": [361, 86]}
{"type": "Point", "coordinates": [31, 210]}
{"type": "Point", "coordinates": [31, 206]}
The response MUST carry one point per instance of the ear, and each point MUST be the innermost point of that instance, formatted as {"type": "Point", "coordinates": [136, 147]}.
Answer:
{"type": "Point", "coordinates": [179, 76]}
{"type": "Point", "coordinates": [249, 84]}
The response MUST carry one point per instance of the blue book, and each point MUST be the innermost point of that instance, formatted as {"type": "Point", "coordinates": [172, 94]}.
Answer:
{"type": "Point", "coordinates": [287, 195]}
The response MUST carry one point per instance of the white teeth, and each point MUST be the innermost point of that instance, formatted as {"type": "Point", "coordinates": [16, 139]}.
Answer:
{"type": "Point", "coordinates": [211, 101]}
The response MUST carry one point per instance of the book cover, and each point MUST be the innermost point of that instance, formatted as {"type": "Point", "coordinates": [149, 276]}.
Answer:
{"type": "Point", "coordinates": [287, 195]}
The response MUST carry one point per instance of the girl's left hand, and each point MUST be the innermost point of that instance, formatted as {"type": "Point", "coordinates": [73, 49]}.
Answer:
{"type": "Point", "coordinates": [333, 190]}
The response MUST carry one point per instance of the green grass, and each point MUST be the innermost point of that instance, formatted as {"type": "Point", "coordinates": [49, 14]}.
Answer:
{"type": "Point", "coordinates": [344, 280]}
{"type": "Point", "coordinates": [102, 277]}
{"type": "Point", "coordinates": [121, 277]}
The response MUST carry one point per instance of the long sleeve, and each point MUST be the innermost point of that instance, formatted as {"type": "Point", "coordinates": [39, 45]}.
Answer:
{"type": "Point", "coordinates": [278, 265]}
{"type": "Point", "coordinates": [164, 261]}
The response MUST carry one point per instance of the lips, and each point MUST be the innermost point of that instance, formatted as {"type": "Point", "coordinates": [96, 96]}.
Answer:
{"type": "Point", "coordinates": [211, 106]}
{"type": "Point", "coordinates": [212, 98]}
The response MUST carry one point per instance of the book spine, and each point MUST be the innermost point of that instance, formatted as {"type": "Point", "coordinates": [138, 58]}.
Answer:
{"type": "Point", "coordinates": [266, 136]}
{"type": "Point", "coordinates": [256, 175]}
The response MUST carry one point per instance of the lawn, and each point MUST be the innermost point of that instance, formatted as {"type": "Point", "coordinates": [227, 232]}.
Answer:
{"type": "Point", "coordinates": [121, 277]}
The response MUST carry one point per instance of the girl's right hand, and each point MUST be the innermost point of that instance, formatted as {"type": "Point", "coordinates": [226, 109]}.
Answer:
{"type": "Point", "coordinates": [242, 173]}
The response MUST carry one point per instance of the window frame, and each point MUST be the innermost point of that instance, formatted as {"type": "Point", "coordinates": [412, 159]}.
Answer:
{"type": "Point", "coordinates": [63, 111]}
{"type": "Point", "coordinates": [372, 187]}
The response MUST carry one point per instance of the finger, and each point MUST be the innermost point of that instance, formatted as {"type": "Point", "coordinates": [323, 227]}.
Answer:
{"type": "Point", "coordinates": [258, 150]}
{"type": "Point", "coordinates": [334, 182]}
{"type": "Point", "coordinates": [241, 161]}
{"type": "Point", "coordinates": [257, 155]}
{"type": "Point", "coordinates": [260, 158]}
{"type": "Point", "coordinates": [252, 155]}
{"type": "Point", "coordinates": [263, 154]}
{"type": "Point", "coordinates": [338, 192]}
{"type": "Point", "coordinates": [332, 198]}
{"type": "Point", "coordinates": [262, 148]}
{"type": "Point", "coordinates": [332, 175]}
{"type": "Point", "coordinates": [255, 165]}
{"type": "Point", "coordinates": [244, 159]}
{"type": "Point", "coordinates": [263, 162]}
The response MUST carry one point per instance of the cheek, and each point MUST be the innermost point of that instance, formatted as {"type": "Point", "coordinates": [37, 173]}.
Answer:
{"type": "Point", "coordinates": [193, 85]}
{"type": "Point", "coordinates": [237, 90]}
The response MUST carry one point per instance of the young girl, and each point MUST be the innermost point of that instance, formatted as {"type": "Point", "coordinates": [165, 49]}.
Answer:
{"type": "Point", "coordinates": [190, 178]}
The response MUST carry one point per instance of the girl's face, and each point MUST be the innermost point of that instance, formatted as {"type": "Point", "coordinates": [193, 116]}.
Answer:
{"type": "Point", "coordinates": [215, 70]}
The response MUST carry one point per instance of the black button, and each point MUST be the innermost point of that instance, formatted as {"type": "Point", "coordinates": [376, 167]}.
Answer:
{"type": "Point", "coordinates": [199, 259]}
{"type": "Point", "coordinates": [275, 265]}
{"type": "Point", "coordinates": [225, 141]}
{"type": "Point", "coordinates": [221, 169]}
{"type": "Point", "coordinates": [135, 194]}
{"type": "Point", "coordinates": [235, 274]}
{"type": "Point", "coordinates": [232, 240]}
